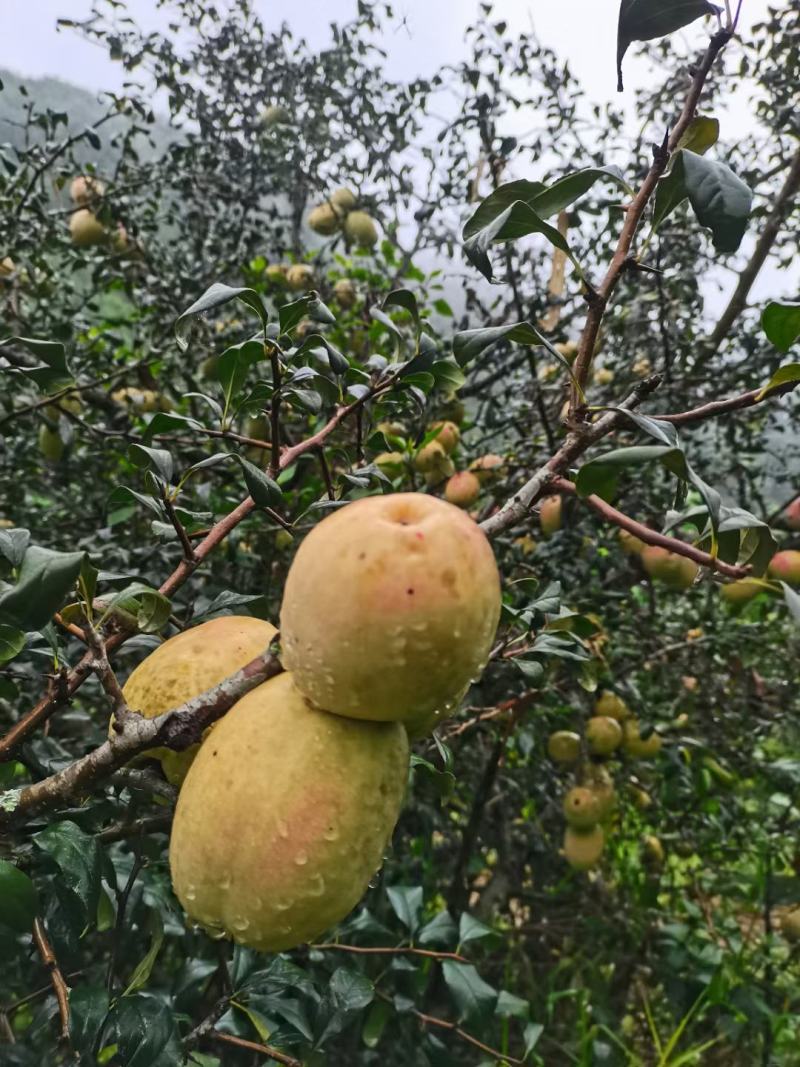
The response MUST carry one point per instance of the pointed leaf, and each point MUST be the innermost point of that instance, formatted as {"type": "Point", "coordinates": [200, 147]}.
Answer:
{"type": "Point", "coordinates": [781, 324]}
{"type": "Point", "coordinates": [18, 900]}
{"type": "Point", "coordinates": [45, 578]}
{"type": "Point", "coordinates": [643, 20]}
{"type": "Point", "coordinates": [215, 296]}
{"type": "Point", "coordinates": [720, 200]}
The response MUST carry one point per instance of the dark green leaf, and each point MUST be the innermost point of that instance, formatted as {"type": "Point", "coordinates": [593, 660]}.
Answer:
{"type": "Point", "coordinates": [214, 297]}
{"type": "Point", "coordinates": [53, 372]}
{"type": "Point", "coordinates": [12, 642]}
{"type": "Point", "coordinates": [469, 344]}
{"type": "Point", "coordinates": [266, 492]}
{"type": "Point", "coordinates": [642, 20]}
{"type": "Point", "coordinates": [474, 999]}
{"type": "Point", "coordinates": [781, 324]}
{"type": "Point", "coordinates": [404, 298]}
{"type": "Point", "coordinates": [146, 1032]}
{"type": "Point", "coordinates": [18, 900]}
{"type": "Point", "coordinates": [498, 201]}
{"type": "Point", "coordinates": [13, 545]}
{"type": "Point", "coordinates": [568, 189]}
{"type": "Point", "coordinates": [441, 930]}
{"type": "Point", "coordinates": [88, 1008]}
{"type": "Point", "coordinates": [79, 860]}
{"type": "Point", "coordinates": [146, 607]}
{"type": "Point", "coordinates": [472, 929]}
{"type": "Point", "coordinates": [156, 459]}
{"type": "Point", "coordinates": [45, 578]}
{"type": "Point", "coordinates": [720, 200]}
{"type": "Point", "coordinates": [518, 220]}
{"type": "Point", "coordinates": [406, 901]}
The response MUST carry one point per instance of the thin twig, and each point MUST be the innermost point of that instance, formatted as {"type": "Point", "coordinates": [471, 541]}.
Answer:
{"type": "Point", "coordinates": [265, 1050]}
{"type": "Point", "coordinates": [45, 950]}
{"type": "Point", "coordinates": [383, 951]}
{"type": "Point", "coordinates": [731, 403]}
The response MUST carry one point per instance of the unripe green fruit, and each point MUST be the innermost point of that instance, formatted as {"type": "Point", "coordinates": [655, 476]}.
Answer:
{"type": "Point", "coordinates": [85, 188]}
{"type": "Point", "coordinates": [50, 444]}
{"type": "Point", "coordinates": [673, 570]}
{"type": "Point", "coordinates": [785, 566]}
{"type": "Point", "coordinates": [345, 292]}
{"type": "Point", "coordinates": [275, 273]}
{"type": "Point", "coordinates": [641, 798]}
{"type": "Point", "coordinates": [653, 850]}
{"type": "Point", "coordinates": [343, 199]}
{"type": "Point", "coordinates": [603, 735]}
{"type": "Point", "coordinates": [582, 808]}
{"type": "Point", "coordinates": [563, 746]}
{"type": "Point", "coordinates": [790, 925]}
{"type": "Point", "coordinates": [284, 817]}
{"type": "Point", "coordinates": [550, 515]}
{"type": "Point", "coordinates": [611, 705]}
{"type": "Point", "coordinates": [300, 276]}
{"type": "Point", "coordinates": [462, 489]}
{"type": "Point", "coordinates": [630, 543]}
{"type": "Point", "coordinates": [390, 608]}
{"type": "Point", "coordinates": [275, 115]}
{"type": "Point", "coordinates": [360, 228]}
{"type": "Point", "coordinates": [431, 457]}
{"type": "Point", "coordinates": [283, 539]}
{"type": "Point", "coordinates": [639, 747]}
{"type": "Point", "coordinates": [86, 229]}
{"type": "Point", "coordinates": [324, 219]}
{"type": "Point", "coordinates": [186, 666]}
{"type": "Point", "coordinates": [487, 468]}
{"type": "Point", "coordinates": [583, 848]}
{"type": "Point", "coordinates": [741, 591]}
{"type": "Point", "coordinates": [436, 475]}
{"type": "Point", "coordinates": [393, 464]}
{"type": "Point", "coordinates": [448, 435]}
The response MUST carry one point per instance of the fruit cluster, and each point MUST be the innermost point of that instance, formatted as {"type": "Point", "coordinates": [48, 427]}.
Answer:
{"type": "Point", "coordinates": [339, 212]}
{"type": "Point", "coordinates": [389, 612]}
{"type": "Point", "coordinates": [590, 802]}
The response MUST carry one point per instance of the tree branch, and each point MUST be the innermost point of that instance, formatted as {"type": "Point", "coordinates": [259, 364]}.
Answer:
{"type": "Point", "coordinates": [382, 951]}
{"type": "Point", "coordinates": [651, 537]}
{"type": "Point", "coordinates": [265, 1050]}
{"type": "Point", "coordinates": [731, 403]}
{"type": "Point", "coordinates": [45, 950]}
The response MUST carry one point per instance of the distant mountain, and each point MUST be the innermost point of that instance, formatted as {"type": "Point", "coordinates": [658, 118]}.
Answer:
{"type": "Point", "coordinates": [82, 108]}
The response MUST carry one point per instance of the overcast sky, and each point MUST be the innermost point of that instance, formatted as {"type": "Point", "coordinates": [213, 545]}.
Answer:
{"type": "Point", "coordinates": [430, 33]}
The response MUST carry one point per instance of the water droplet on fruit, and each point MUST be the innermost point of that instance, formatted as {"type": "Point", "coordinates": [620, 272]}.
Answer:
{"type": "Point", "coordinates": [283, 829]}
{"type": "Point", "coordinates": [282, 905]}
{"type": "Point", "coordinates": [301, 858]}
{"type": "Point", "coordinates": [240, 925]}
{"type": "Point", "coordinates": [331, 834]}
{"type": "Point", "coordinates": [191, 893]}
{"type": "Point", "coordinates": [316, 886]}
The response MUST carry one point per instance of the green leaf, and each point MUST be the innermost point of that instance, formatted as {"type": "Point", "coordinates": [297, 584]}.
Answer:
{"type": "Point", "coordinates": [782, 376]}
{"type": "Point", "coordinates": [18, 901]}
{"type": "Point", "coordinates": [266, 492]}
{"type": "Point", "coordinates": [531, 1035]}
{"type": "Point", "coordinates": [517, 220]}
{"type": "Point", "coordinates": [406, 901]}
{"type": "Point", "coordinates": [214, 297]}
{"type": "Point", "coordinates": [720, 200]}
{"type": "Point", "coordinates": [164, 421]}
{"type": "Point", "coordinates": [405, 299]}
{"type": "Point", "coordinates": [79, 859]}
{"type": "Point", "coordinates": [781, 324]}
{"type": "Point", "coordinates": [498, 201]}
{"type": "Point", "coordinates": [88, 1008]}
{"type": "Point", "coordinates": [234, 365]}
{"type": "Point", "coordinates": [290, 314]}
{"type": "Point", "coordinates": [53, 372]}
{"type": "Point", "coordinates": [14, 544]}
{"type": "Point", "coordinates": [144, 967]}
{"type": "Point", "coordinates": [146, 1032]}
{"type": "Point", "coordinates": [351, 989]}
{"type": "Point", "coordinates": [572, 186]}
{"type": "Point", "coordinates": [156, 459]}
{"type": "Point", "coordinates": [474, 999]}
{"type": "Point", "coordinates": [701, 134]}
{"type": "Point", "coordinates": [441, 930]}
{"type": "Point", "coordinates": [469, 344]}
{"type": "Point", "coordinates": [643, 20]}
{"type": "Point", "coordinates": [12, 642]}
{"type": "Point", "coordinates": [149, 608]}
{"type": "Point", "coordinates": [510, 1007]}
{"type": "Point", "coordinates": [472, 929]}
{"type": "Point", "coordinates": [375, 1022]}
{"type": "Point", "coordinates": [45, 578]}
{"type": "Point", "coordinates": [792, 598]}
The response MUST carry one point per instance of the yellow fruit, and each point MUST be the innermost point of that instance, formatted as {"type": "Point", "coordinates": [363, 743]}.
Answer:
{"type": "Point", "coordinates": [742, 591]}
{"type": "Point", "coordinates": [563, 746]}
{"type": "Point", "coordinates": [6, 524]}
{"type": "Point", "coordinates": [641, 798]}
{"type": "Point", "coordinates": [284, 817]}
{"type": "Point", "coordinates": [393, 464]}
{"type": "Point", "coordinates": [567, 349]}
{"type": "Point", "coordinates": [454, 410]}
{"type": "Point", "coordinates": [550, 515]}
{"type": "Point", "coordinates": [50, 444]}
{"type": "Point", "coordinates": [391, 429]}
{"type": "Point", "coordinates": [437, 475]}
{"type": "Point", "coordinates": [582, 808]}
{"type": "Point", "coordinates": [390, 608]}
{"type": "Point", "coordinates": [785, 566]}
{"type": "Point", "coordinates": [603, 735]}
{"type": "Point", "coordinates": [583, 848]}
{"type": "Point", "coordinates": [609, 704]}
{"type": "Point", "coordinates": [275, 115]}
{"type": "Point", "coordinates": [86, 229]}
{"type": "Point", "coordinates": [525, 544]}
{"type": "Point", "coordinates": [637, 746]}
{"type": "Point", "coordinates": [642, 367]}
{"type": "Point", "coordinates": [140, 400]}
{"type": "Point", "coordinates": [343, 199]}
{"type": "Point", "coordinates": [275, 273]}
{"type": "Point", "coordinates": [673, 570]}
{"type": "Point", "coordinates": [360, 228]}
{"type": "Point", "coordinates": [186, 666]}
{"type": "Point", "coordinates": [300, 276]}
{"type": "Point", "coordinates": [431, 457]}
{"type": "Point", "coordinates": [487, 468]}
{"type": "Point", "coordinates": [448, 435]}
{"type": "Point", "coordinates": [548, 372]}
{"type": "Point", "coordinates": [84, 189]}
{"type": "Point", "coordinates": [602, 785]}
{"type": "Point", "coordinates": [603, 376]}
{"type": "Point", "coordinates": [7, 267]}
{"type": "Point", "coordinates": [630, 543]}
{"type": "Point", "coordinates": [790, 924]}
{"type": "Point", "coordinates": [653, 850]}
{"type": "Point", "coordinates": [324, 219]}
{"type": "Point", "coordinates": [345, 292]}
{"type": "Point", "coordinates": [462, 489]}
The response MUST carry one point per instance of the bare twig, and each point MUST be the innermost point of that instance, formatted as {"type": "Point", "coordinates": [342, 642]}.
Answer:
{"type": "Point", "coordinates": [265, 1050]}
{"type": "Point", "coordinates": [651, 537]}
{"type": "Point", "coordinates": [186, 544]}
{"type": "Point", "coordinates": [383, 951]}
{"type": "Point", "coordinates": [45, 950]}
{"type": "Point", "coordinates": [121, 831]}
{"type": "Point", "coordinates": [731, 403]}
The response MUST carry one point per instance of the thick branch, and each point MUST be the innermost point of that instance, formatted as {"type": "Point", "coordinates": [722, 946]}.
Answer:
{"type": "Point", "coordinates": [651, 537]}
{"type": "Point", "coordinates": [134, 734]}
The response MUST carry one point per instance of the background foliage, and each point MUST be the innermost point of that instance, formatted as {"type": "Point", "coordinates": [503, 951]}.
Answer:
{"type": "Point", "coordinates": [640, 962]}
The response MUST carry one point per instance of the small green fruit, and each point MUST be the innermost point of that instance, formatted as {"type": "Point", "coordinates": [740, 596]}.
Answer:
{"type": "Point", "coordinates": [583, 848]}
{"type": "Point", "coordinates": [50, 444]}
{"type": "Point", "coordinates": [563, 746]}
{"type": "Point", "coordinates": [86, 229]}
{"type": "Point", "coordinates": [360, 228]}
{"type": "Point", "coordinates": [603, 735]}
{"type": "Point", "coordinates": [582, 808]}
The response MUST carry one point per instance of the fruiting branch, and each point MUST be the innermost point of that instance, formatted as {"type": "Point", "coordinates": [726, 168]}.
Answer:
{"type": "Point", "coordinates": [651, 537]}
{"type": "Point", "coordinates": [134, 734]}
